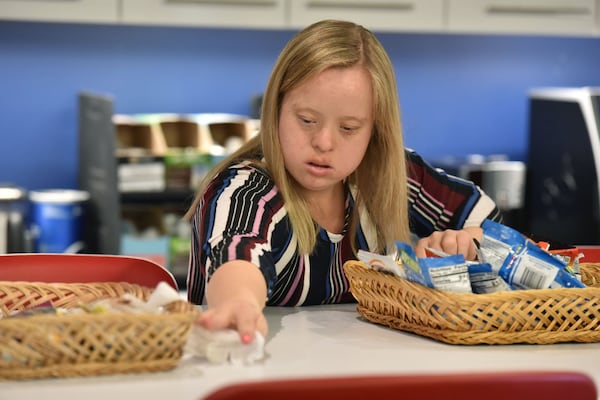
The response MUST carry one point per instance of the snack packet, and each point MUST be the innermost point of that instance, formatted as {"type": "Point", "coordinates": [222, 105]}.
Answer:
{"type": "Point", "coordinates": [485, 280]}
{"type": "Point", "coordinates": [481, 276]}
{"type": "Point", "coordinates": [522, 263]}
{"type": "Point", "coordinates": [570, 255]}
{"type": "Point", "coordinates": [449, 273]}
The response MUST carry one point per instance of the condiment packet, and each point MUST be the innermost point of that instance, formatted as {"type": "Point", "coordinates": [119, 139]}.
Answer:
{"type": "Point", "coordinates": [162, 295]}
{"type": "Point", "coordinates": [383, 263]}
{"type": "Point", "coordinates": [41, 309]}
{"type": "Point", "coordinates": [224, 346]}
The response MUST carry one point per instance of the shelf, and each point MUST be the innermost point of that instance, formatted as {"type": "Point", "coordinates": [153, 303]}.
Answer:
{"type": "Point", "coordinates": [180, 197]}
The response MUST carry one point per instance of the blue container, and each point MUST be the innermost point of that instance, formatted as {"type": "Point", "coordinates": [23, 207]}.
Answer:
{"type": "Point", "coordinates": [57, 218]}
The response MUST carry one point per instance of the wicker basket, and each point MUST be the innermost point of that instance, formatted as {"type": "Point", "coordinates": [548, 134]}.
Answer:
{"type": "Point", "coordinates": [522, 316]}
{"type": "Point", "coordinates": [87, 344]}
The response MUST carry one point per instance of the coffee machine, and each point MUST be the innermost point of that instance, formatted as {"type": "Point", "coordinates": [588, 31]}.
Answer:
{"type": "Point", "coordinates": [562, 191]}
{"type": "Point", "coordinates": [500, 178]}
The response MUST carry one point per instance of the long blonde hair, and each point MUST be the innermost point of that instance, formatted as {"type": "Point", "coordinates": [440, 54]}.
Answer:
{"type": "Point", "coordinates": [380, 179]}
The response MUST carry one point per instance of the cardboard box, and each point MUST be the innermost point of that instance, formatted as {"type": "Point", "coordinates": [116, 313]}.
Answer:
{"type": "Point", "coordinates": [139, 135]}
{"type": "Point", "coordinates": [158, 134]}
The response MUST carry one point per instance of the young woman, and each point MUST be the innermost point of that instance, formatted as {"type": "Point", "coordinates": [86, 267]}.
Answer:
{"type": "Point", "coordinates": [327, 175]}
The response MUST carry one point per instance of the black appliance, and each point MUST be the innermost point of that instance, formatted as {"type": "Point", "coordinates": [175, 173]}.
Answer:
{"type": "Point", "coordinates": [562, 190]}
{"type": "Point", "coordinates": [14, 232]}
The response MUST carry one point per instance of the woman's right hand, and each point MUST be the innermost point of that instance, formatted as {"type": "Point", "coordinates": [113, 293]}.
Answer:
{"type": "Point", "coordinates": [235, 296]}
{"type": "Point", "coordinates": [241, 314]}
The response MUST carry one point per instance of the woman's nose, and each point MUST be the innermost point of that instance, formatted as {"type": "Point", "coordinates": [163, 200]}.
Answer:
{"type": "Point", "coordinates": [323, 139]}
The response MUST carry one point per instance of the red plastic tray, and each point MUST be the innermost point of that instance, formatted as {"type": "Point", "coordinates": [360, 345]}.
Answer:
{"type": "Point", "coordinates": [82, 268]}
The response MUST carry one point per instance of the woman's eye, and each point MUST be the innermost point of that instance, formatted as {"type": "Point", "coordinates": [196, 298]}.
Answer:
{"type": "Point", "coordinates": [306, 121]}
{"type": "Point", "coordinates": [348, 129]}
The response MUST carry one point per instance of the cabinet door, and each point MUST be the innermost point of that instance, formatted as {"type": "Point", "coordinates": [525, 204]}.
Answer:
{"type": "Point", "coordinates": [212, 13]}
{"type": "Point", "coordinates": [560, 17]}
{"type": "Point", "coordinates": [101, 11]}
{"type": "Point", "coordinates": [389, 15]}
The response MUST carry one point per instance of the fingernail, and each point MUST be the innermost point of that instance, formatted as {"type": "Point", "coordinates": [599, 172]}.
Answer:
{"type": "Point", "coordinates": [246, 338]}
{"type": "Point", "coordinates": [202, 320]}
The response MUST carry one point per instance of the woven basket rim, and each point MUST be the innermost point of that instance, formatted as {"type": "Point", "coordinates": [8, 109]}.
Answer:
{"type": "Point", "coordinates": [452, 295]}
{"type": "Point", "coordinates": [45, 345]}
{"type": "Point", "coordinates": [467, 318]}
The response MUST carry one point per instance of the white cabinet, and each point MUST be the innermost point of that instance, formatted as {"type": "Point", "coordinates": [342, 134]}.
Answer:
{"type": "Point", "coordinates": [377, 15]}
{"type": "Point", "coordinates": [209, 13]}
{"type": "Point", "coordinates": [544, 17]}
{"type": "Point", "coordinates": [555, 17]}
{"type": "Point", "coordinates": [89, 11]}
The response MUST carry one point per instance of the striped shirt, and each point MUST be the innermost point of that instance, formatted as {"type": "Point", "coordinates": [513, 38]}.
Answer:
{"type": "Point", "coordinates": [242, 216]}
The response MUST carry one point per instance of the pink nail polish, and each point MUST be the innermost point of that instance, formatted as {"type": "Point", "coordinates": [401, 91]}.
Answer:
{"type": "Point", "coordinates": [246, 339]}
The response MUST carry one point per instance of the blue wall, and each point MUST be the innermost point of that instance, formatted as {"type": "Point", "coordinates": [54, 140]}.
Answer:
{"type": "Point", "coordinates": [459, 94]}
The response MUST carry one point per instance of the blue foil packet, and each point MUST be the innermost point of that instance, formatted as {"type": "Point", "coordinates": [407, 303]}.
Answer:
{"type": "Point", "coordinates": [485, 280]}
{"type": "Point", "coordinates": [449, 273]}
{"type": "Point", "coordinates": [522, 263]}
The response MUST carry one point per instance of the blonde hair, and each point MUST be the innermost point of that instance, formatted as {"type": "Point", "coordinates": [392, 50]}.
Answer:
{"type": "Point", "coordinates": [380, 178]}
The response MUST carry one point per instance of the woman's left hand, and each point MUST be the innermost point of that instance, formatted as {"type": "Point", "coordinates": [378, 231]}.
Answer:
{"type": "Point", "coordinates": [452, 242]}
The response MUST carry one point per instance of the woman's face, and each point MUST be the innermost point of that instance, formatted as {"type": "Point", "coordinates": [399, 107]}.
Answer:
{"type": "Point", "coordinates": [325, 126]}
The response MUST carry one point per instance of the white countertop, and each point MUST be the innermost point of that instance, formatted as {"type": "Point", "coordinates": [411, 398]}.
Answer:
{"type": "Point", "coordinates": [317, 341]}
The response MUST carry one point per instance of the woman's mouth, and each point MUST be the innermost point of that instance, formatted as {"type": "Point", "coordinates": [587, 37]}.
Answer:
{"type": "Point", "coordinates": [318, 168]}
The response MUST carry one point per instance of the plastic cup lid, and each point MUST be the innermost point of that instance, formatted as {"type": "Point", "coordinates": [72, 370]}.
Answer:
{"type": "Point", "coordinates": [59, 196]}
{"type": "Point", "coordinates": [11, 193]}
